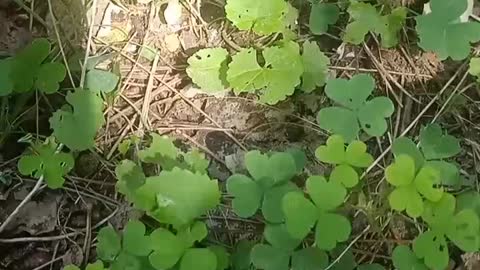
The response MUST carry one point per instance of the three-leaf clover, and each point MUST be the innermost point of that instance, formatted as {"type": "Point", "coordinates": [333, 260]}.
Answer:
{"type": "Point", "coordinates": [171, 249]}
{"type": "Point", "coordinates": [130, 177]}
{"type": "Point", "coordinates": [354, 156]}
{"type": "Point", "coordinates": [442, 32]}
{"type": "Point", "coordinates": [263, 17]}
{"type": "Point", "coordinates": [44, 160]}
{"type": "Point", "coordinates": [355, 110]}
{"type": "Point", "coordinates": [27, 69]}
{"type": "Point", "coordinates": [127, 252]}
{"type": "Point", "coordinates": [366, 19]}
{"type": "Point", "coordinates": [277, 77]}
{"type": "Point", "coordinates": [76, 126]}
{"type": "Point", "coordinates": [404, 259]}
{"type": "Point", "coordinates": [178, 196]}
{"type": "Point", "coordinates": [410, 186]}
{"type": "Point", "coordinates": [280, 253]}
{"type": "Point", "coordinates": [321, 16]}
{"type": "Point", "coordinates": [207, 69]}
{"type": "Point", "coordinates": [461, 227]}
{"type": "Point", "coordinates": [301, 214]}
{"type": "Point", "coordinates": [315, 65]}
{"type": "Point", "coordinates": [269, 183]}
{"type": "Point", "coordinates": [437, 145]}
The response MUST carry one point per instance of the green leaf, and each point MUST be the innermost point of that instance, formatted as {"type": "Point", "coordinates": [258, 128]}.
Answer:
{"type": "Point", "coordinates": [405, 146]}
{"type": "Point", "coordinates": [277, 78]}
{"type": "Point", "coordinates": [345, 175]}
{"type": "Point", "coordinates": [404, 259]}
{"type": "Point", "coordinates": [433, 248]}
{"type": "Point", "coordinates": [264, 17]}
{"type": "Point", "coordinates": [346, 261]}
{"type": "Point", "coordinates": [334, 152]}
{"type": "Point", "coordinates": [71, 267]}
{"type": "Point", "coordinates": [161, 151]}
{"type": "Point", "coordinates": [469, 200]}
{"type": "Point", "coordinates": [270, 258]}
{"type": "Point", "coordinates": [352, 95]}
{"type": "Point", "coordinates": [223, 258]}
{"type": "Point", "coordinates": [179, 196]}
{"type": "Point", "coordinates": [449, 172]}
{"type": "Point", "coordinates": [474, 68]}
{"type": "Point", "coordinates": [301, 215]}
{"type": "Point", "coordinates": [43, 160]}
{"type": "Point", "coordinates": [247, 195]}
{"type": "Point", "coordinates": [109, 245]}
{"type": "Point", "coordinates": [436, 144]}
{"type": "Point", "coordinates": [241, 255]}
{"type": "Point", "coordinates": [129, 178]}
{"type": "Point", "coordinates": [326, 195]}
{"type": "Point", "coordinates": [309, 259]}
{"type": "Point", "coordinates": [331, 228]}
{"type": "Point", "coordinates": [98, 265]}
{"type": "Point", "coordinates": [442, 32]}
{"type": "Point", "coordinates": [134, 240]}
{"type": "Point", "coordinates": [199, 259]}
{"type": "Point", "coordinates": [321, 16]}
{"type": "Point", "coordinates": [6, 83]}
{"type": "Point", "coordinates": [366, 19]}
{"type": "Point", "coordinates": [315, 65]}
{"type": "Point", "coordinates": [272, 202]}
{"type": "Point", "coordinates": [85, 112]}
{"type": "Point", "coordinates": [167, 249]}
{"type": "Point", "coordinates": [278, 236]}
{"type": "Point", "coordinates": [194, 233]}
{"type": "Point", "coordinates": [49, 76]}
{"type": "Point", "coordinates": [465, 231]}
{"type": "Point", "coordinates": [196, 161]}
{"type": "Point", "coordinates": [98, 80]}
{"type": "Point", "coordinates": [127, 261]}
{"type": "Point", "coordinates": [299, 157]}
{"type": "Point", "coordinates": [207, 69]}
{"type": "Point", "coordinates": [280, 167]}
{"type": "Point", "coordinates": [373, 266]}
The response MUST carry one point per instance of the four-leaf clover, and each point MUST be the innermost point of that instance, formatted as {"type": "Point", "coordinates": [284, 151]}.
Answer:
{"type": "Point", "coordinates": [269, 182]}
{"type": "Point", "coordinates": [410, 186]}
{"type": "Point", "coordinates": [301, 214]}
{"type": "Point", "coordinates": [354, 156]}
{"type": "Point", "coordinates": [355, 110]}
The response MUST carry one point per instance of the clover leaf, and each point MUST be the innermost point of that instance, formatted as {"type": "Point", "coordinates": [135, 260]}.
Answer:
{"type": "Point", "coordinates": [405, 146]}
{"type": "Point", "coordinates": [6, 83]}
{"type": "Point", "coordinates": [276, 79]}
{"type": "Point", "coordinates": [461, 227]}
{"type": "Point", "coordinates": [411, 186]}
{"type": "Point", "coordinates": [207, 69]}
{"type": "Point", "coordinates": [366, 19]}
{"type": "Point", "coordinates": [27, 69]}
{"type": "Point", "coordinates": [222, 256]}
{"type": "Point", "coordinates": [301, 214]}
{"type": "Point", "coordinates": [321, 16]}
{"type": "Point", "coordinates": [442, 32]}
{"type": "Point", "coordinates": [76, 126]}
{"type": "Point", "coordinates": [315, 65]}
{"type": "Point", "coordinates": [170, 249]}
{"type": "Point", "coordinates": [469, 200]}
{"type": "Point", "coordinates": [269, 182]}
{"type": "Point", "coordinates": [109, 244]}
{"type": "Point", "coordinates": [356, 111]}
{"type": "Point", "coordinates": [263, 17]}
{"type": "Point", "coordinates": [42, 159]}
{"type": "Point", "coordinates": [241, 256]}
{"type": "Point", "coordinates": [178, 196]}
{"type": "Point", "coordinates": [354, 156]}
{"type": "Point", "coordinates": [280, 253]}
{"type": "Point", "coordinates": [436, 144]}
{"type": "Point", "coordinates": [404, 259]}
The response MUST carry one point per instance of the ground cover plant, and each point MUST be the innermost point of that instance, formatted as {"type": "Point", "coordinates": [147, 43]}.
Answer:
{"type": "Point", "coordinates": [389, 180]}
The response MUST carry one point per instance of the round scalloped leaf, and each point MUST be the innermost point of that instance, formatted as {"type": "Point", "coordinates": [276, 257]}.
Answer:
{"type": "Point", "coordinates": [315, 65]}
{"type": "Point", "coordinates": [130, 177]}
{"type": "Point", "coordinates": [321, 16]}
{"type": "Point", "coordinates": [109, 244]}
{"type": "Point", "coordinates": [207, 69]}
{"type": "Point", "coordinates": [338, 120]}
{"type": "Point", "coordinates": [167, 249]}
{"type": "Point", "coordinates": [404, 259]}
{"type": "Point", "coordinates": [300, 214]}
{"type": "Point", "coordinates": [436, 144]}
{"type": "Point", "coordinates": [134, 240]}
{"type": "Point", "coordinates": [198, 259]}
{"type": "Point", "coordinates": [326, 195]}
{"type": "Point", "coordinates": [365, 18]}
{"type": "Point", "coordinates": [247, 195]}
{"type": "Point", "coordinates": [263, 17]}
{"type": "Point", "coordinates": [345, 175]}
{"type": "Point", "coordinates": [433, 248]}
{"type": "Point", "coordinates": [161, 151]}
{"type": "Point", "coordinates": [331, 229]}
{"type": "Point", "coordinates": [244, 73]}
{"type": "Point", "coordinates": [272, 202]}
{"type": "Point", "coordinates": [309, 259]}
{"type": "Point", "coordinates": [405, 146]}
{"type": "Point", "coordinates": [269, 258]}
{"type": "Point", "coordinates": [373, 113]}
{"type": "Point", "coordinates": [179, 196]}
{"type": "Point", "coordinates": [86, 112]}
